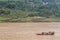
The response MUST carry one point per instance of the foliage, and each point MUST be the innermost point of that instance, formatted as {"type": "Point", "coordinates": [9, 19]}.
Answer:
{"type": "Point", "coordinates": [23, 11]}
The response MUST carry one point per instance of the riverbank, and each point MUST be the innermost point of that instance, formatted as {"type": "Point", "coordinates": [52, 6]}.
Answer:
{"type": "Point", "coordinates": [32, 24]}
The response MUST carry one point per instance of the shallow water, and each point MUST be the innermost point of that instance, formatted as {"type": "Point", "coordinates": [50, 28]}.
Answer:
{"type": "Point", "coordinates": [28, 31]}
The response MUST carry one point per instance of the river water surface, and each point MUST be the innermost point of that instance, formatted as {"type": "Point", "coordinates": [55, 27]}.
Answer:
{"type": "Point", "coordinates": [28, 31]}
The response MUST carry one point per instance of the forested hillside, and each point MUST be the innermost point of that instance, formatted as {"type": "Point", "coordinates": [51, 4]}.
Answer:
{"type": "Point", "coordinates": [29, 10]}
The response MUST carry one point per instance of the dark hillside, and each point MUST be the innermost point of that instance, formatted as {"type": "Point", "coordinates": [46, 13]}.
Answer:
{"type": "Point", "coordinates": [29, 10]}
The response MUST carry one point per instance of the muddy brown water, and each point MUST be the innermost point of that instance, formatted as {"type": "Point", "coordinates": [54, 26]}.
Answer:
{"type": "Point", "coordinates": [28, 31]}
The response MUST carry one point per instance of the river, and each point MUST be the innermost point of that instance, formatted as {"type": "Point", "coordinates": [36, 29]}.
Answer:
{"type": "Point", "coordinates": [28, 31]}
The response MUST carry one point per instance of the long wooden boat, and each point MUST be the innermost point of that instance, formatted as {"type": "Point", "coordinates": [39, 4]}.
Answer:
{"type": "Point", "coordinates": [46, 33]}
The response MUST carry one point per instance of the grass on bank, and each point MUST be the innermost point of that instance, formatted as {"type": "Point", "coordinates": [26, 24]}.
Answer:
{"type": "Point", "coordinates": [30, 19]}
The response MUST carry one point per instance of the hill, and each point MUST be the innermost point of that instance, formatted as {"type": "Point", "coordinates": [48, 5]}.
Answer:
{"type": "Point", "coordinates": [29, 10]}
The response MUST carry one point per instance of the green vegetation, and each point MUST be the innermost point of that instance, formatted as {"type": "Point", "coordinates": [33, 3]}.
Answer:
{"type": "Point", "coordinates": [29, 11]}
